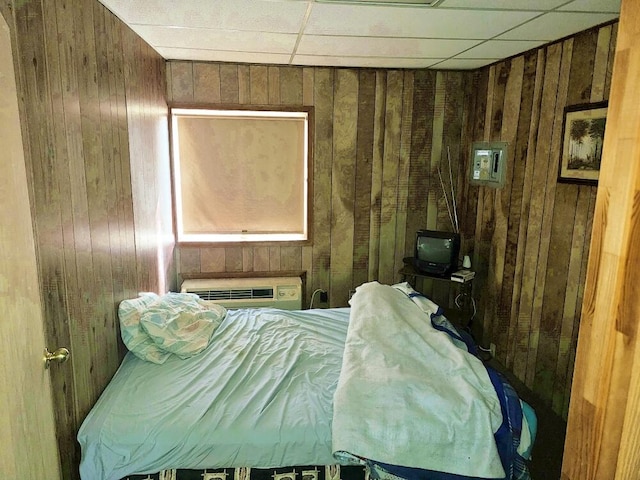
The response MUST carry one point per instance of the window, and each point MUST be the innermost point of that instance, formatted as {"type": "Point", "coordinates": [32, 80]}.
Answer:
{"type": "Point", "coordinates": [240, 175]}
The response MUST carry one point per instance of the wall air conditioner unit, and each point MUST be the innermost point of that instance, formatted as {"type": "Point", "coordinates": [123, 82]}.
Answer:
{"type": "Point", "coordinates": [276, 292]}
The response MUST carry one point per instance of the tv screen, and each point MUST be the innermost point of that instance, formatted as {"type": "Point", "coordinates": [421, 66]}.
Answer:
{"type": "Point", "coordinates": [437, 252]}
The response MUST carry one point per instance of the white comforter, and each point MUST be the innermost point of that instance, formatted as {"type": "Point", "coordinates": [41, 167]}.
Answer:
{"type": "Point", "coordinates": [407, 395]}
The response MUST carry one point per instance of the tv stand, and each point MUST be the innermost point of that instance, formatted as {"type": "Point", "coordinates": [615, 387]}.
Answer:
{"type": "Point", "coordinates": [462, 312]}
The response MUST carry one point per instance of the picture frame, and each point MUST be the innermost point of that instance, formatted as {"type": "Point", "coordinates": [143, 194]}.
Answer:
{"type": "Point", "coordinates": [582, 140]}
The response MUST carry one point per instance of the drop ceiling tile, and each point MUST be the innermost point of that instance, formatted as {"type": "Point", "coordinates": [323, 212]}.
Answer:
{"type": "Point", "coordinates": [252, 15]}
{"type": "Point", "coordinates": [201, 38]}
{"type": "Point", "coordinates": [593, 6]}
{"type": "Point", "coordinates": [362, 62]}
{"type": "Point", "coordinates": [463, 63]}
{"type": "Point", "coordinates": [555, 25]}
{"type": "Point", "coordinates": [218, 56]}
{"type": "Point", "coordinates": [382, 47]}
{"type": "Point", "coordinates": [500, 48]}
{"type": "Point", "coordinates": [503, 4]}
{"type": "Point", "coordinates": [385, 21]}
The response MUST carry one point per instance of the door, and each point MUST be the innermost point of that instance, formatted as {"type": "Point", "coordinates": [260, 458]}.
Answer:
{"type": "Point", "coordinates": [27, 431]}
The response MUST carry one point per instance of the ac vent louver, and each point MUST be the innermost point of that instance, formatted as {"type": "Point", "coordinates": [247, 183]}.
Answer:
{"type": "Point", "coordinates": [234, 294]}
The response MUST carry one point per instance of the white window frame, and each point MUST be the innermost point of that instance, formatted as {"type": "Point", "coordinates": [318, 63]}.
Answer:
{"type": "Point", "coordinates": [216, 237]}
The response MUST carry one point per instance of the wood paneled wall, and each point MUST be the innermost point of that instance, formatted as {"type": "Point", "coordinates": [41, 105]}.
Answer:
{"type": "Point", "coordinates": [531, 238]}
{"type": "Point", "coordinates": [379, 138]}
{"type": "Point", "coordinates": [94, 121]}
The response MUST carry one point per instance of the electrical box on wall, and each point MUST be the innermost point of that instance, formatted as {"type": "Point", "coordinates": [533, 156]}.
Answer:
{"type": "Point", "coordinates": [488, 164]}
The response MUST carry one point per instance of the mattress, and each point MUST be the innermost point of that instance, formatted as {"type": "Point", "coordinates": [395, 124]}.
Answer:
{"type": "Point", "coordinates": [260, 395]}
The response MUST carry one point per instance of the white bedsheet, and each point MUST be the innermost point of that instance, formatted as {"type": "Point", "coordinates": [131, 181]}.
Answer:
{"type": "Point", "coordinates": [408, 396]}
{"type": "Point", "coordinates": [260, 395]}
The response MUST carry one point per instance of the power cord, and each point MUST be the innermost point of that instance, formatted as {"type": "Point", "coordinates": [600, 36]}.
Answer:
{"type": "Point", "coordinates": [313, 296]}
{"type": "Point", "coordinates": [458, 303]}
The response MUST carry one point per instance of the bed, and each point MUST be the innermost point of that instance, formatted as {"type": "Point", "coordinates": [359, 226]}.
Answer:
{"type": "Point", "coordinates": [386, 388]}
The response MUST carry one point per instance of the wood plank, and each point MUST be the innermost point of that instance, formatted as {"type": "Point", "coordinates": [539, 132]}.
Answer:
{"type": "Point", "coordinates": [229, 86]}
{"type": "Point", "coordinates": [376, 174]}
{"type": "Point", "coordinates": [244, 85]}
{"type": "Point", "coordinates": [64, 107]}
{"type": "Point", "coordinates": [454, 131]}
{"type": "Point", "coordinates": [363, 176]}
{"type": "Point", "coordinates": [555, 284]}
{"type": "Point", "coordinates": [435, 199]}
{"type": "Point", "coordinates": [116, 225]}
{"type": "Point", "coordinates": [181, 81]}
{"type": "Point", "coordinates": [421, 139]}
{"type": "Point", "coordinates": [481, 252]}
{"type": "Point", "coordinates": [502, 252]}
{"type": "Point", "coordinates": [247, 259]}
{"type": "Point", "coordinates": [403, 174]}
{"type": "Point", "coordinates": [261, 259]}
{"type": "Point", "coordinates": [291, 258]}
{"type": "Point", "coordinates": [212, 259]}
{"type": "Point", "coordinates": [274, 86]}
{"type": "Point", "coordinates": [600, 64]}
{"type": "Point", "coordinates": [92, 145]}
{"type": "Point", "coordinates": [475, 131]}
{"type": "Point", "coordinates": [546, 224]}
{"type": "Point", "coordinates": [524, 318]}
{"type": "Point", "coordinates": [206, 82]}
{"type": "Point", "coordinates": [128, 275]}
{"type": "Point", "coordinates": [539, 178]}
{"type": "Point", "coordinates": [612, 49]}
{"type": "Point", "coordinates": [291, 86]}
{"type": "Point", "coordinates": [308, 75]}
{"type": "Point", "coordinates": [322, 166]}
{"type": "Point", "coordinates": [233, 259]}
{"type": "Point", "coordinates": [488, 112]}
{"type": "Point", "coordinates": [259, 84]}
{"type": "Point", "coordinates": [308, 81]}
{"type": "Point", "coordinates": [109, 239]}
{"type": "Point", "coordinates": [483, 219]}
{"type": "Point", "coordinates": [307, 267]}
{"type": "Point", "coordinates": [570, 311]}
{"type": "Point", "coordinates": [189, 260]}
{"type": "Point", "coordinates": [582, 67]}
{"type": "Point", "coordinates": [389, 205]}
{"type": "Point", "coordinates": [491, 213]}
{"type": "Point", "coordinates": [345, 120]}
{"type": "Point", "coordinates": [275, 258]}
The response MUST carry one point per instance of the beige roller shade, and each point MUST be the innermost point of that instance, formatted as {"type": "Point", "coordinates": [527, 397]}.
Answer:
{"type": "Point", "coordinates": [240, 175]}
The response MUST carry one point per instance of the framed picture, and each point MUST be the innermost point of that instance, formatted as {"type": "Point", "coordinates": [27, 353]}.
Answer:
{"type": "Point", "coordinates": [582, 140]}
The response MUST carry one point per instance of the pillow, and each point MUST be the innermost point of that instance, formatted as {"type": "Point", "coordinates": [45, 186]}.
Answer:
{"type": "Point", "coordinates": [134, 337]}
{"type": "Point", "coordinates": [182, 324]}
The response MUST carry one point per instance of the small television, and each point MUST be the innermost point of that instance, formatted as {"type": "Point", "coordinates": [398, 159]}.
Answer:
{"type": "Point", "coordinates": [437, 252]}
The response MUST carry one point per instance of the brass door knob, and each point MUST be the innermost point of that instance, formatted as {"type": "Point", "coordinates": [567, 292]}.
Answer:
{"type": "Point", "coordinates": [60, 355]}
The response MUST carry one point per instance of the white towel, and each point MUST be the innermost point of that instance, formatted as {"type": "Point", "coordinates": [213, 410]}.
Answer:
{"type": "Point", "coordinates": [408, 396]}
